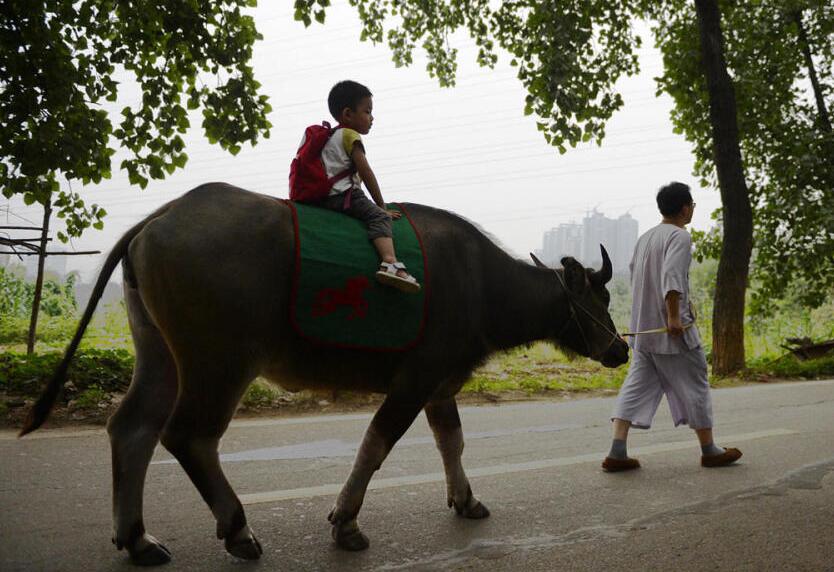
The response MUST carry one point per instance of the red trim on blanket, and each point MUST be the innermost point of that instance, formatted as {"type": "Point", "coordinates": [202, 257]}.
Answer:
{"type": "Point", "coordinates": [297, 277]}
{"type": "Point", "coordinates": [426, 281]}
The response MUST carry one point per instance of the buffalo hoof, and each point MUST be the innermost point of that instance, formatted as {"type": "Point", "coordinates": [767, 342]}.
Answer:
{"type": "Point", "coordinates": [349, 537]}
{"type": "Point", "coordinates": [473, 509]}
{"type": "Point", "coordinates": [244, 545]}
{"type": "Point", "coordinates": [148, 551]}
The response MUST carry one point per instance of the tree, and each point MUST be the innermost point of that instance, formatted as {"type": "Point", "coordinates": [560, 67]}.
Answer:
{"type": "Point", "coordinates": [570, 53]}
{"type": "Point", "coordinates": [62, 60]}
{"type": "Point", "coordinates": [784, 132]}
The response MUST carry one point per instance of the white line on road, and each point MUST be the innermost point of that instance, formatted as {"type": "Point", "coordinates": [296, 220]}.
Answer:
{"type": "Point", "coordinates": [504, 468]}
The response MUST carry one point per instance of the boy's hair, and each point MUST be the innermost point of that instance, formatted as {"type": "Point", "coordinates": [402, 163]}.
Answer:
{"type": "Point", "coordinates": [346, 94]}
{"type": "Point", "coordinates": [672, 198]}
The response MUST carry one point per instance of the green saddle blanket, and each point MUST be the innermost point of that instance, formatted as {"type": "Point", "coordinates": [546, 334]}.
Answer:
{"type": "Point", "coordinates": [336, 299]}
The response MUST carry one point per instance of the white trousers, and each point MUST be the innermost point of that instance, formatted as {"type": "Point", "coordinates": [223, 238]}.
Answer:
{"type": "Point", "coordinates": [681, 377]}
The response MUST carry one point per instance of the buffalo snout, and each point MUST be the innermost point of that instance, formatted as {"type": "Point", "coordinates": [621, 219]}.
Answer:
{"type": "Point", "coordinates": [616, 355]}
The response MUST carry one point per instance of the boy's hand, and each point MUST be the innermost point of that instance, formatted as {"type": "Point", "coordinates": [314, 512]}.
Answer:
{"type": "Point", "coordinates": [394, 214]}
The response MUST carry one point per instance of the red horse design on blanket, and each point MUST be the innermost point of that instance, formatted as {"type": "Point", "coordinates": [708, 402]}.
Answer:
{"type": "Point", "coordinates": [328, 300]}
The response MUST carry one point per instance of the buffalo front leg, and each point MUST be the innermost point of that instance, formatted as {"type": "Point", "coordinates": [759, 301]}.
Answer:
{"type": "Point", "coordinates": [391, 421]}
{"type": "Point", "coordinates": [444, 421]}
{"type": "Point", "coordinates": [134, 432]}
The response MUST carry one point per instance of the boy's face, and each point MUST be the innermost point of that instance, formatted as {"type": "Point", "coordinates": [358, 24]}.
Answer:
{"type": "Point", "coordinates": [361, 118]}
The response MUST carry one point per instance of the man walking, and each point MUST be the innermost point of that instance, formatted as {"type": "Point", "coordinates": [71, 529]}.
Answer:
{"type": "Point", "coordinates": [672, 361]}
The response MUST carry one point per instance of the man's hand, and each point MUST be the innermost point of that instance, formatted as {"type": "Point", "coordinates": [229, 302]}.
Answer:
{"type": "Point", "coordinates": [674, 327]}
{"type": "Point", "coordinates": [394, 214]}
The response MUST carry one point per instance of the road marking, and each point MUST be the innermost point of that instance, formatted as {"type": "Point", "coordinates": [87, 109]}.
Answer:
{"type": "Point", "coordinates": [337, 448]}
{"type": "Point", "coordinates": [502, 469]}
{"type": "Point", "coordinates": [52, 434]}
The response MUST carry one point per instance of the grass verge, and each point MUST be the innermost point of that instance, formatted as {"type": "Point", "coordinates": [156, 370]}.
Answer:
{"type": "Point", "coordinates": [98, 378]}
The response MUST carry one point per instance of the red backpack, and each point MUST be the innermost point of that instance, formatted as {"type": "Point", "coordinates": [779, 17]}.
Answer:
{"type": "Point", "coordinates": [308, 178]}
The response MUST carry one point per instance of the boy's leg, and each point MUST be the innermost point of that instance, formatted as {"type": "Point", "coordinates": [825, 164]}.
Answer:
{"type": "Point", "coordinates": [380, 233]}
{"type": "Point", "coordinates": [376, 219]}
{"type": "Point", "coordinates": [385, 247]}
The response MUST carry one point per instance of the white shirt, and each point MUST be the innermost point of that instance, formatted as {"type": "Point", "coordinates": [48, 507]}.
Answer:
{"type": "Point", "coordinates": [660, 265]}
{"type": "Point", "coordinates": [336, 158]}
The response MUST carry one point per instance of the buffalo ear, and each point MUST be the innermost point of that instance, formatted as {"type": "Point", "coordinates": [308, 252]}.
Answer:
{"type": "Point", "coordinates": [538, 262]}
{"type": "Point", "coordinates": [575, 276]}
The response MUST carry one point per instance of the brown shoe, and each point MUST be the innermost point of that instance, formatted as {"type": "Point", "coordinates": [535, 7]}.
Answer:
{"type": "Point", "coordinates": [611, 465]}
{"type": "Point", "coordinates": [729, 456]}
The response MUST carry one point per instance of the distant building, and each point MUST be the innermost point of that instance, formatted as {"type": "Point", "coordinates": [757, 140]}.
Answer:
{"type": "Point", "coordinates": [582, 241]}
{"type": "Point", "coordinates": [564, 240]}
{"type": "Point", "coordinates": [623, 247]}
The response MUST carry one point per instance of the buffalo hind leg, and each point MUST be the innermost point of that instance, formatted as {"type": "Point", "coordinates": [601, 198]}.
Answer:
{"type": "Point", "coordinates": [391, 421]}
{"type": "Point", "coordinates": [134, 433]}
{"type": "Point", "coordinates": [444, 421]}
{"type": "Point", "coordinates": [209, 393]}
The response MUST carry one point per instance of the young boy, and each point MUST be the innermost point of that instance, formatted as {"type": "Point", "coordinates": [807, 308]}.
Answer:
{"type": "Point", "coordinates": [351, 104]}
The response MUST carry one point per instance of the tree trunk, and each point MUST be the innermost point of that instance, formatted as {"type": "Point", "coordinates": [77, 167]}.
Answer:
{"type": "Point", "coordinates": [36, 303]}
{"type": "Point", "coordinates": [805, 46]}
{"type": "Point", "coordinates": [734, 265]}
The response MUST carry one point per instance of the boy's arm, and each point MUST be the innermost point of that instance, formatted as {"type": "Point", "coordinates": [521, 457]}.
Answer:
{"type": "Point", "coordinates": [368, 177]}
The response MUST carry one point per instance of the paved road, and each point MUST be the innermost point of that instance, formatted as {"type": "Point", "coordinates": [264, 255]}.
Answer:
{"type": "Point", "coordinates": [535, 465]}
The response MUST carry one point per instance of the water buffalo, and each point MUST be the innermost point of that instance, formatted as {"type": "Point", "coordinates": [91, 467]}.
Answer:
{"type": "Point", "coordinates": [207, 287]}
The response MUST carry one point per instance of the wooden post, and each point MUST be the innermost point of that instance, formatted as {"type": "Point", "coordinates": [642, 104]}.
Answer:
{"type": "Point", "coordinates": [36, 303]}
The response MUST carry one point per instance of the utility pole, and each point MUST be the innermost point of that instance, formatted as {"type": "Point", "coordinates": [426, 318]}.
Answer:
{"type": "Point", "coordinates": [29, 248]}
{"type": "Point", "coordinates": [36, 303]}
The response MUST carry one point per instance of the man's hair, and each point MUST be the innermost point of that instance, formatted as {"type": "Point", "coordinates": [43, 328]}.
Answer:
{"type": "Point", "coordinates": [672, 198]}
{"type": "Point", "coordinates": [346, 94]}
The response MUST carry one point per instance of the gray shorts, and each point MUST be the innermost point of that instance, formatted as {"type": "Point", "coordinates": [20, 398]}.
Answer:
{"type": "Point", "coordinates": [681, 377]}
{"type": "Point", "coordinates": [361, 207]}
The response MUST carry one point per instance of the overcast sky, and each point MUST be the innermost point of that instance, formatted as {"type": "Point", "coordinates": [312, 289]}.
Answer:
{"type": "Point", "coordinates": [468, 149]}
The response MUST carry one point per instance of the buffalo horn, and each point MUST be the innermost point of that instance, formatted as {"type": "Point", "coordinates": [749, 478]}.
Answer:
{"type": "Point", "coordinates": [603, 275]}
{"type": "Point", "coordinates": [538, 262]}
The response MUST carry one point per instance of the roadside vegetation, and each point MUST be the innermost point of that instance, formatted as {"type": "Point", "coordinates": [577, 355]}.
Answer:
{"type": "Point", "coordinates": [101, 371]}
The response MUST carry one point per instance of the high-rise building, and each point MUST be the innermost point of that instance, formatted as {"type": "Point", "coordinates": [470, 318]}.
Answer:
{"type": "Point", "coordinates": [626, 239]}
{"type": "Point", "coordinates": [564, 240]}
{"type": "Point", "coordinates": [582, 241]}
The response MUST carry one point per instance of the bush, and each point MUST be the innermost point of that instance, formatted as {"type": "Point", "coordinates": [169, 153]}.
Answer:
{"type": "Point", "coordinates": [16, 295]}
{"type": "Point", "coordinates": [531, 385]}
{"type": "Point", "coordinates": [259, 394]}
{"type": "Point", "coordinates": [58, 329]}
{"type": "Point", "coordinates": [90, 397]}
{"type": "Point", "coordinates": [789, 366]}
{"type": "Point", "coordinates": [107, 370]}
